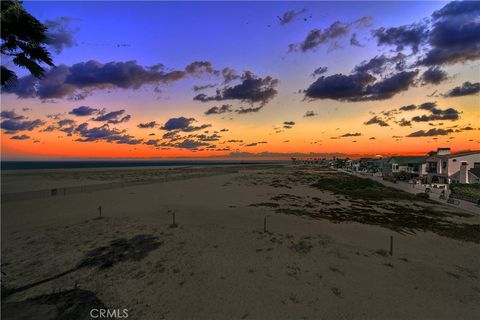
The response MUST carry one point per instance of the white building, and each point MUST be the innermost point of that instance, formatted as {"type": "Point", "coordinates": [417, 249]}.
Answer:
{"type": "Point", "coordinates": [445, 167]}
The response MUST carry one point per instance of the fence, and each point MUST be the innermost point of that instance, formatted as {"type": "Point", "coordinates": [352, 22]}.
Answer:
{"type": "Point", "coordinates": [63, 191]}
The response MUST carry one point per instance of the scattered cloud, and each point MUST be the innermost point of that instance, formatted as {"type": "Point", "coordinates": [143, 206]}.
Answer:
{"type": "Point", "coordinates": [219, 110]}
{"type": "Point", "coordinates": [288, 124]}
{"type": "Point", "coordinates": [104, 133]}
{"type": "Point", "coordinates": [113, 117]}
{"type": "Point", "coordinates": [454, 36]}
{"type": "Point", "coordinates": [252, 89]}
{"type": "Point", "coordinates": [289, 16]}
{"type": "Point", "coordinates": [310, 113]}
{"type": "Point", "coordinates": [336, 30]}
{"type": "Point", "coordinates": [319, 71]}
{"type": "Point", "coordinates": [354, 41]}
{"type": "Point", "coordinates": [12, 126]}
{"type": "Point", "coordinates": [434, 75]}
{"type": "Point", "coordinates": [360, 86]}
{"type": "Point", "coordinates": [430, 133]}
{"type": "Point", "coordinates": [412, 36]}
{"type": "Point", "coordinates": [346, 135]}
{"type": "Point", "coordinates": [376, 120]}
{"type": "Point", "coordinates": [203, 87]}
{"type": "Point", "coordinates": [81, 79]}
{"type": "Point", "coordinates": [183, 124]}
{"type": "Point", "coordinates": [84, 111]}
{"type": "Point", "coordinates": [20, 137]}
{"type": "Point", "coordinates": [60, 34]}
{"type": "Point", "coordinates": [147, 125]}
{"type": "Point", "coordinates": [467, 88]}
{"type": "Point", "coordinates": [11, 114]}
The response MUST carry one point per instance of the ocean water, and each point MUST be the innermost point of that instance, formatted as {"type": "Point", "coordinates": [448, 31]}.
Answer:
{"type": "Point", "coordinates": [28, 165]}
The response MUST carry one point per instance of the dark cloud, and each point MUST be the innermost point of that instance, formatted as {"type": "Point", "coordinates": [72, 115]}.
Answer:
{"type": "Point", "coordinates": [288, 124]}
{"type": "Point", "coordinates": [427, 106]}
{"type": "Point", "coordinates": [248, 110]}
{"type": "Point", "coordinates": [219, 110]}
{"type": "Point", "coordinates": [84, 111]}
{"type": "Point", "coordinates": [360, 86]}
{"type": "Point", "coordinates": [434, 75]}
{"type": "Point", "coordinates": [354, 41]}
{"type": "Point", "coordinates": [146, 125]}
{"type": "Point", "coordinates": [455, 34]}
{"type": "Point", "coordinates": [203, 87]}
{"type": "Point", "coordinates": [310, 113]}
{"type": "Point", "coordinates": [11, 114]}
{"type": "Point", "coordinates": [64, 125]}
{"type": "Point", "coordinates": [438, 114]}
{"type": "Point", "coordinates": [197, 68]}
{"type": "Point", "coordinates": [430, 133]}
{"type": "Point", "coordinates": [177, 123]}
{"type": "Point", "coordinates": [190, 144]}
{"type": "Point", "coordinates": [182, 124]}
{"type": "Point", "coordinates": [289, 16]}
{"type": "Point", "coordinates": [404, 123]}
{"type": "Point", "coordinates": [152, 142]}
{"type": "Point", "coordinates": [252, 90]}
{"type": "Point", "coordinates": [376, 120]}
{"type": "Point", "coordinates": [317, 37]}
{"type": "Point", "coordinates": [379, 64]}
{"type": "Point", "coordinates": [205, 138]}
{"type": "Point", "coordinates": [408, 108]}
{"type": "Point", "coordinates": [356, 134]}
{"type": "Point", "coordinates": [319, 71]}
{"type": "Point", "coordinates": [467, 88]}
{"type": "Point", "coordinates": [104, 133]}
{"type": "Point", "coordinates": [81, 79]}
{"type": "Point", "coordinates": [253, 144]}
{"type": "Point", "coordinates": [113, 117]}
{"type": "Point", "coordinates": [12, 126]}
{"type": "Point", "coordinates": [229, 75]}
{"type": "Point", "coordinates": [59, 34]}
{"type": "Point", "coordinates": [20, 137]}
{"type": "Point", "coordinates": [412, 36]}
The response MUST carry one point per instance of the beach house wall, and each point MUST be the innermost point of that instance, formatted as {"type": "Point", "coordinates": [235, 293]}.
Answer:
{"type": "Point", "coordinates": [446, 167]}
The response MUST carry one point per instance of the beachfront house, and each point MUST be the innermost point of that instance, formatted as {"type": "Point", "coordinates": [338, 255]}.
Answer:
{"type": "Point", "coordinates": [370, 165]}
{"type": "Point", "coordinates": [445, 167]}
{"type": "Point", "coordinates": [412, 166]}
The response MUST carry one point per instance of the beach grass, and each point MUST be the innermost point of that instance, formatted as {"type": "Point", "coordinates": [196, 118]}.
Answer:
{"type": "Point", "coordinates": [359, 188]}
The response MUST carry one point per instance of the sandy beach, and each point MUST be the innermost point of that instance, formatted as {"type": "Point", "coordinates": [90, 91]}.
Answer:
{"type": "Point", "coordinates": [325, 253]}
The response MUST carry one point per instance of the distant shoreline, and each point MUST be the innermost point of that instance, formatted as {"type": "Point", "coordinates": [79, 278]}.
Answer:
{"type": "Point", "coordinates": [43, 165]}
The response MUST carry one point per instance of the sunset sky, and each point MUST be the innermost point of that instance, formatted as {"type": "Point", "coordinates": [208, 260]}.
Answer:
{"type": "Point", "coordinates": [222, 79]}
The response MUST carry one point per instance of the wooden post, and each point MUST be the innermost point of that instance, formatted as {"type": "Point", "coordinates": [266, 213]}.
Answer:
{"type": "Point", "coordinates": [265, 224]}
{"type": "Point", "coordinates": [99, 211]}
{"type": "Point", "coordinates": [391, 245]}
{"type": "Point", "coordinates": [173, 217]}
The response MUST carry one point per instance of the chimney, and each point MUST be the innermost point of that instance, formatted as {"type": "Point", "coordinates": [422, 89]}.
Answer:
{"type": "Point", "coordinates": [443, 151]}
{"type": "Point", "coordinates": [463, 173]}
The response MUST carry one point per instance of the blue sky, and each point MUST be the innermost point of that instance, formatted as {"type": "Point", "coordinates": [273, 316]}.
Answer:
{"type": "Point", "coordinates": [248, 36]}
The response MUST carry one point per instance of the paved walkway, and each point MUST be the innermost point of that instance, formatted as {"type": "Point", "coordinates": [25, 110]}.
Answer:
{"type": "Point", "coordinates": [417, 188]}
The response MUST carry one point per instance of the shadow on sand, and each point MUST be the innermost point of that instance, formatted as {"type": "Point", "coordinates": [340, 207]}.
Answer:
{"type": "Point", "coordinates": [73, 304]}
{"type": "Point", "coordinates": [119, 250]}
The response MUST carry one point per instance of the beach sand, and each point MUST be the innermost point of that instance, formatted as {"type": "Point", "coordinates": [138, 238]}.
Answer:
{"type": "Point", "coordinates": [324, 255]}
